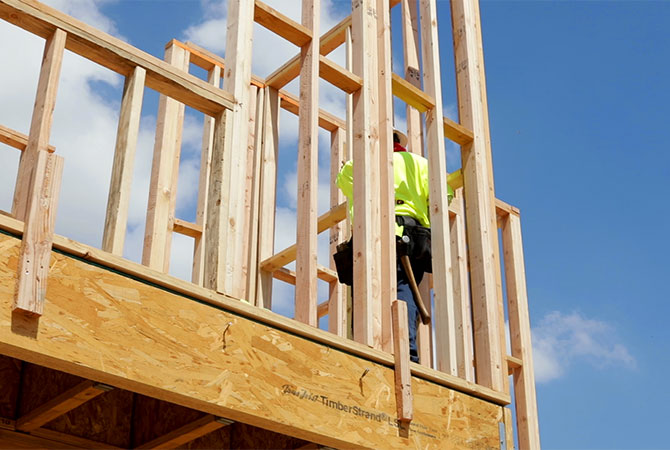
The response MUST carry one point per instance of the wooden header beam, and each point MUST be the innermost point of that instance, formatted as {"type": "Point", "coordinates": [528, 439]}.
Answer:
{"type": "Point", "coordinates": [17, 140]}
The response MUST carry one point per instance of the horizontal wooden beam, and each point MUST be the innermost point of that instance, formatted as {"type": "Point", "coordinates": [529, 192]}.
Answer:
{"type": "Point", "coordinates": [232, 305]}
{"type": "Point", "coordinates": [17, 140]}
{"type": "Point", "coordinates": [502, 208]}
{"type": "Point", "coordinates": [457, 132]}
{"type": "Point", "coordinates": [325, 221]}
{"type": "Point", "coordinates": [69, 439]}
{"type": "Point", "coordinates": [67, 401]}
{"type": "Point", "coordinates": [339, 76]}
{"type": "Point", "coordinates": [281, 25]}
{"type": "Point", "coordinates": [205, 59]}
{"type": "Point", "coordinates": [117, 55]}
{"type": "Point", "coordinates": [411, 94]}
{"type": "Point", "coordinates": [322, 309]}
{"type": "Point", "coordinates": [329, 41]}
{"type": "Point", "coordinates": [187, 228]}
{"type": "Point", "coordinates": [288, 275]}
{"type": "Point", "coordinates": [513, 363]}
{"type": "Point", "coordinates": [327, 121]}
{"type": "Point", "coordinates": [186, 433]}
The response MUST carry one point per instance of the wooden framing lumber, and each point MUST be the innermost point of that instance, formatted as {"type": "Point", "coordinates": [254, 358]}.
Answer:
{"type": "Point", "coordinates": [69, 439]}
{"type": "Point", "coordinates": [457, 132]}
{"type": "Point", "coordinates": [479, 200]}
{"type": "Point", "coordinates": [214, 78]}
{"type": "Point", "coordinates": [308, 155]}
{"type": "Point", "coordinates": [338, 76]}
{"type": "Point", "coordinates": [411, 51]}
{"type": "Point", "coordinates": [366, 226]}
{"type": "Point", "coordinates": [219, 382]}
{"type": "Point", "coordinates": [185, 434]}
{"type": "Point", "coordinates": [17, 140]}
{"type": "Point", "coordinates": [326, 120]}
{"type": "Point", "coordinates": [289, 276]}
{"type": "Point", "coordinates": [281, 25]}
{"type": "Point", "coordinates": [116, 218]}
{"type": "Point", "coordinates": [461, 286]}
{"type": "Point", "coordinates": [403, 377]}
{"type": "Point", "coordinates": [206, 296]}
{"type": "Point", "coordinates": [411, 95]}
{"type": "Point", "coordinates": [162, 186]}
{"type": "Point", "coordinates": [445, 330]}
{"type": "Point", "coordinates": [67, 401]}
{"type": "Point", "coordinates": [187, 228]}
{"type": "Point", "coordinates": [337, 292]}
{"type": "Point", "coordinates": [40, 124]}
{"type": "Point", "coordinates": [35, 256]}
{"type": "Point", "coordinates": [116, 55]}
{"type": "Point", "coordinates": [328, 42]}
{"type": "Point", "coordinates": [268, 193]}
{"type": "Point", "coordinates": [520, 334]}
{"type": "Point", "coordinates": [388, 263]}
{"type": "Point", "coordinates": [225, 206]}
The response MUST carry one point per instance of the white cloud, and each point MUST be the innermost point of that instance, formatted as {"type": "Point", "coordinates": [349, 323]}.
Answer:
{"type": "Point", "coordinates": [88, 11]}
{"type": "Point", "coordinates": [563, 340]}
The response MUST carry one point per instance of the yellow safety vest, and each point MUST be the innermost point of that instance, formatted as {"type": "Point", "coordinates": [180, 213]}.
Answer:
{"type": "Point", "coordinates": [410, 175]}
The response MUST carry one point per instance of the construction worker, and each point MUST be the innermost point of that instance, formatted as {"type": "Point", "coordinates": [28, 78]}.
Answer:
{"type": "Point", "coordinates": [412, 220]}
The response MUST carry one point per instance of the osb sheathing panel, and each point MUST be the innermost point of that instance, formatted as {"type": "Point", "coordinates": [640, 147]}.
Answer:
{"type": "Point", "coordinates": [109, 328]}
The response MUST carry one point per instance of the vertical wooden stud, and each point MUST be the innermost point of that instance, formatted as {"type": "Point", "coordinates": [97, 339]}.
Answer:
{"type": "Point", "coordinates": [267, 197]}
{"type": "Point", "coordinates": [38, 232]}
{"type": "Point", "coordinates": [520, 336]}
{"type": "Point", "coordinates": [308, 147]}
{"type": "Point", "coordinates": [445, 332]}
{"type": "Point", "coordinates": [403, 375]}
{"type": "Point", "coordinates": [40, 125]}
{"type": "Point", "coordinates": [386, 178]}
{"type": "Point", "coordinates": [116, 218]}
{"type": "Point", "coordinates": [225, 206]}
{"type": "Point", "coordinates": [214, 78]}
{"type": "Point", "coordinates": [462, 308]}
{"type": "Point", "coordinates": [337, 295]}
{"type": "Point", "coordinates": [252, 202]}
{"type": "Point", "coordinates": [479, 195]}
{"type": "Point", "coordinates": [367, 240]}
{"type": "Point", "coordinates": [157, 234]}
{"type": "Point", "coordinates": [410, 38]}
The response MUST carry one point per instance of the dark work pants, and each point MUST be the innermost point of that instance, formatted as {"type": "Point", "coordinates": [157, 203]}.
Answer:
{"type": "Point", "coordinates": [405, 294]}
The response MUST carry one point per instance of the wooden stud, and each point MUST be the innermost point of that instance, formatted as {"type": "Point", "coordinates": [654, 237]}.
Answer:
{"type": "Point", "coordinates": [281, 25]}
{"type": "Point", "coordinates": [308, 148]}
{"type": "Point", "coordinates": [411, 51]}
{"type": "Point", "coordinates": [17, 140]}
{"type": "Point", "coordinates": [37, 240]}
{"type": "Point", "coordinates": [445, 332]}
{"type": "Point", "coordinates": [225, 207]}
{"type": "Point", "coordinates": [187, 228]}
{"type": "Point", "coordinates": [403, 377]}
{"type": "Point", "coordinates": [388, 265]}
{"type": "Point", "coordinates": [116, 55]}
{"type": "Point", "coordinates": [520, 335]}
{"type": "Point", "coordinates": [268, 192]}
{"type": "Point", "coordinates": [479, 200]}
{"type": "Point", "coordinates": [254, 158]}
{"type": "Point", "coordinates": [185, 434]}
{"type": "Point", "coordinates": [58, 406]}
{"type": "Point", "coordinates": [158, 226]}
{"type": "Point", "coordinates": [214, 78]}
{"type": "Point", "coordinates": [116, 218]}
{"type": "Point", "coordinates": [40, 125]}
{"type": "Point", "coordinates": [367, 242]}
{"type": "Point", "coordinates": [337, 292]}
{"type": "Point", "coordinates": [457, 132]}
{"type": "Point", "coordinates": [462, 306]}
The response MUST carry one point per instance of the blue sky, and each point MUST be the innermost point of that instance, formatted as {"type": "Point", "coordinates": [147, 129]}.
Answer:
{"type": "Point", "coordinates": [579, 108]}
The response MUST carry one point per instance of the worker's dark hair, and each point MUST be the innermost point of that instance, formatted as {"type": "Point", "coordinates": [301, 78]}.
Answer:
{"type": "Point", "coordinates": [396, 138]}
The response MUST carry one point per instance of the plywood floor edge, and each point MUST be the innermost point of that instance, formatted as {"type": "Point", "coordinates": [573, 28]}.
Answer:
{"type": "Point", "coordinates": [142, 274]}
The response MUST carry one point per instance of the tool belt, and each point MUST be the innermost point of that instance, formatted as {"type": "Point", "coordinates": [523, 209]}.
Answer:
{"type": "Point", "coordinates": [418, 250]}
